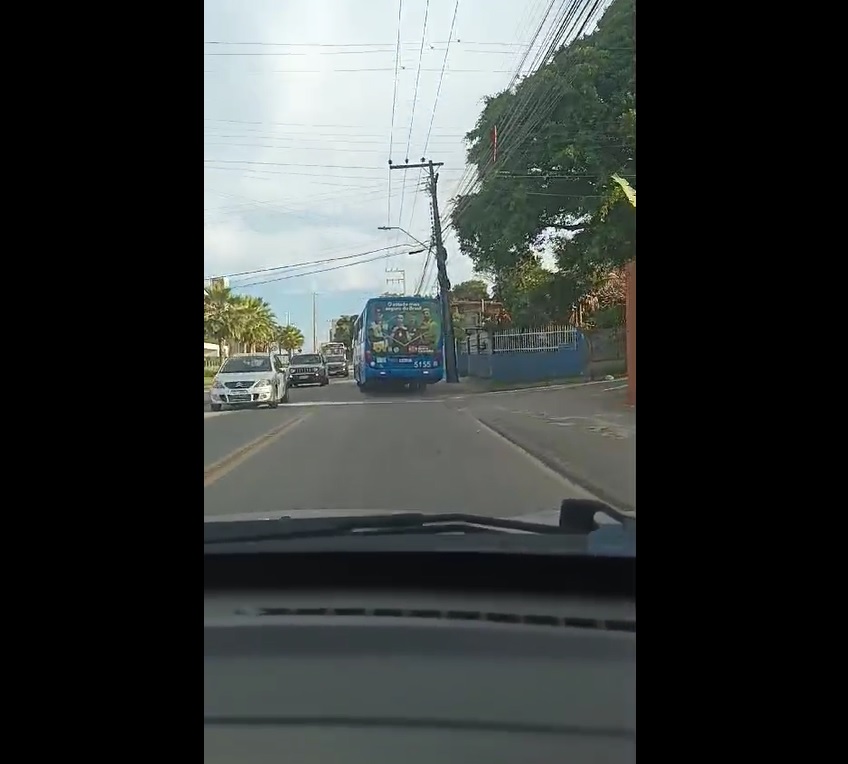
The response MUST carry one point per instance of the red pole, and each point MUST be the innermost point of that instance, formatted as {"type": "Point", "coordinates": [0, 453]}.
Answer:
{"type": "Point", "coordinates": [630, 318]}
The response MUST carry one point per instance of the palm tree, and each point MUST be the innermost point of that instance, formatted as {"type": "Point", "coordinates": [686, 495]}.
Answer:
{"type": "Point", "coordinates": [254, 323]}
{"type": "Point", "coordinates": [236, 318]}
{"type": "Point", "coordinates": [218, 314]}
{"type": "Point", "coordinates": [290, 338]}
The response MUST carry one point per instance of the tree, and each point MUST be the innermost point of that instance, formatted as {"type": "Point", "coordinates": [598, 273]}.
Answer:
{"type": "Point", "coordinates": [566, 136]}
{"type": "Point", "coordinates": [290, 339]}
{"type": "Point", "coordinates": [217, 314]}
{"type": "Point", "coordinates": [474, 289]}
{"type": "Point", "coordinates": [343, 330]}
{"type": "Point", "coordinates": [252, 323]}
{"type": "Point", "coordinates": [237, 319]}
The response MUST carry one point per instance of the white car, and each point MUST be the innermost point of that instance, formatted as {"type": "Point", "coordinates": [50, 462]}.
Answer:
{"type": "Point", "coordinates": [250, 379]}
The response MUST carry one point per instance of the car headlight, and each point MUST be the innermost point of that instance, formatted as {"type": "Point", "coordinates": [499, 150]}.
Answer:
{"type": "Point", "coordinates": [217, 384]}
{"type": "Point", "coordinates": [263, 383]}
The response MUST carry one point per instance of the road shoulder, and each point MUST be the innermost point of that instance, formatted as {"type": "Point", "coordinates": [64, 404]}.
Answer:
{"type": "Point", "coordinates": [587, 435]}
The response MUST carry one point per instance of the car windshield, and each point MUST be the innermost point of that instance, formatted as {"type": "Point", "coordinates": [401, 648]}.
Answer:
{"type": "Point", "coordinates": [450, 278]}
{"type": "Point", "coordinates": [245, 364]}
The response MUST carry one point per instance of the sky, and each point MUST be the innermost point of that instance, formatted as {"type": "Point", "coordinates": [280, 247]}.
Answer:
{"type": "Point", "coordinates": [298, 130]}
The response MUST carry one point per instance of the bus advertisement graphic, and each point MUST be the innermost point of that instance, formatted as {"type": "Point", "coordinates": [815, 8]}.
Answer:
{"type": "Point", "coordinates": [398, 328]}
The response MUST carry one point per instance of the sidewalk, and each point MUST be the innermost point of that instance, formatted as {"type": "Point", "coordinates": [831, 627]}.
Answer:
{"type": "Point", "coordinates": [586, 432]}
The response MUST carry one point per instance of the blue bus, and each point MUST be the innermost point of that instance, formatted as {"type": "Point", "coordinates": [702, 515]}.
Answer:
{"type": "Point", "coordinates": [398, 340]}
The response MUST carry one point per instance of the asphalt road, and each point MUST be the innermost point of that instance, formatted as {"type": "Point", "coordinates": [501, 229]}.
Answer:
{"type": "Point", "coordinates": [335, 448]}
{"type": "Point", "coordinates": [587, 432]}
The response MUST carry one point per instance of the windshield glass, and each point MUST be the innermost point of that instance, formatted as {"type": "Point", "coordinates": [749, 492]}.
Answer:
{"type": "Point", "coordinates": [458, 317]}
{"type": "Point", "coordinates": [244, 364]}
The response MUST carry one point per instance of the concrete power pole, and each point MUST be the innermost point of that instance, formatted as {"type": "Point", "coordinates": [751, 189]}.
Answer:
{"type": "Point", "coordinates": [451, 374]}
{"type": "Point", "coordinates": [314, 324]}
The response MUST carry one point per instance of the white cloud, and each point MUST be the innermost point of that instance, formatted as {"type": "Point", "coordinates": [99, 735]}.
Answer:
{"type": "Point", "coordinates": [300, 147]}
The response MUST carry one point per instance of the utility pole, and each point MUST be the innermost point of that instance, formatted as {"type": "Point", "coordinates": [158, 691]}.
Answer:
{"type": "Point", "coordinates": [398, 280]}
{"type": "Point", "coordinates": [441, 260]}
{"type": "Point", "coordinates": [314, 325]}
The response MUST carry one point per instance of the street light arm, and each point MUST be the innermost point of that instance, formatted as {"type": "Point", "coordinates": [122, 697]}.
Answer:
{"type": "Point", "coordinates": [402, 230]}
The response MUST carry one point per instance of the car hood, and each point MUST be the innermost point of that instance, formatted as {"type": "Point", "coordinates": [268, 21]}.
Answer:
{"type": "Point", "coordinates": [246, 376]}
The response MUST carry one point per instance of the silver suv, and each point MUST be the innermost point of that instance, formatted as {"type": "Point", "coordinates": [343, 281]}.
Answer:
{"type": "Point", "coordinates": [308, 369]}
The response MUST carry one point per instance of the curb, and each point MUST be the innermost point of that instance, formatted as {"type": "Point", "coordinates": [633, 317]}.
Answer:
{"type": "Point", "coordinates": [556, 386]}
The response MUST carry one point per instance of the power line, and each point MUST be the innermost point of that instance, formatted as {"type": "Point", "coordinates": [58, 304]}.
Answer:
{"type": "Point", "coordinates": [306, 263]}
{"type": "Point", "coordinates": [417, 77]}
{"type": "Point", "coordinates": [294, 164]}
{"type": "Point", "coordinates": [287, 173]}
{"type": "Point", "coordinates": [414, 102]}
{"type": "Point", "coordinates": [468, 180]}
{"type": "Point", "coordinates": [520, 121]}
{"type": "Point", "coordinates": [359, 195]}
{"type": "Point", "coordinates": [354, 44]}
{"type": "Point", "coordinates": [269, 134]}
{"type": "Point", "coordinates": [372, 52]}
{"type": "Point", "coordinates": [441, 77]}
{"type": "Point", "coordinates": [394, 105]}
{"type": "Point", "coordinates": [320, 270]}
{"type": "Point", "coordinates": [294, 147]}
{"type": "Point", "coordinates": [347, 126]}
{"type": "Point", "coordinates": [430, 128]}
{"type": "Point", "coordinates": [349, 70]}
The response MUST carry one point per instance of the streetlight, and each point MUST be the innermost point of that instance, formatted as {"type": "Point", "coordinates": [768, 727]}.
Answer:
{"type": "Point", "coordinates": [402, 230]}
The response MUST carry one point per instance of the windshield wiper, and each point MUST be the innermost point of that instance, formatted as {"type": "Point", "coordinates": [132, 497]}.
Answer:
{"type": "Point", "coordinates": [405, 523]}
{"type": "Point", "coordinates": [576, 518]}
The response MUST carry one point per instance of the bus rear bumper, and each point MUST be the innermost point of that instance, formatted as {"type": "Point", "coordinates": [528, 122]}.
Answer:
{"type": "Point", "coordinates": [430, 377]}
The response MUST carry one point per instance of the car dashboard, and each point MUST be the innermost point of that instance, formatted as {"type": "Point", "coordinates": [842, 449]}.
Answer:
{"type": "Point", "coordinates": [370, 674]}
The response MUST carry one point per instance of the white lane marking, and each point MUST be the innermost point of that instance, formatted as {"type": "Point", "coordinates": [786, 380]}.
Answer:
{"type": "Point", "coordinates": [210, 414]}
{"type": "Point", "coordinates": [573, 490]}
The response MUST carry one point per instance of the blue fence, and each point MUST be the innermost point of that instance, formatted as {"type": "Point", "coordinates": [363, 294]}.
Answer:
{"type": "Point", "coordinates": [529, 357]}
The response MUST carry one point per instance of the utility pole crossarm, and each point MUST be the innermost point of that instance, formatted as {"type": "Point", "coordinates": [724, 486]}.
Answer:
{"type": "Point", "coordinates": [423, 166]}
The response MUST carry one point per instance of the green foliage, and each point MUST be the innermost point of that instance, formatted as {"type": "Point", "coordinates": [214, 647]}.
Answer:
{"type": "Point", "coordinates": [343, 330]}
{"type": "Point", "coordinates": [473, 289]}
{"type": "Point", "coordinates": [244, 321]}
{"type": "Point", "coordinates": [289, 338]}
{"type": "Point", "coordinates": [553, 180]}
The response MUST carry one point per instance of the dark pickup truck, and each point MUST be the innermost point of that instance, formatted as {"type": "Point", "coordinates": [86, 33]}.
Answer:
{"type": "Point", "coordinates": [337, 366]}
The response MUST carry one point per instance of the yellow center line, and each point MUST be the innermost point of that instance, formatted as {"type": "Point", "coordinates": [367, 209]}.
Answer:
{"type": "Point", "coordinates": [214, 472]}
